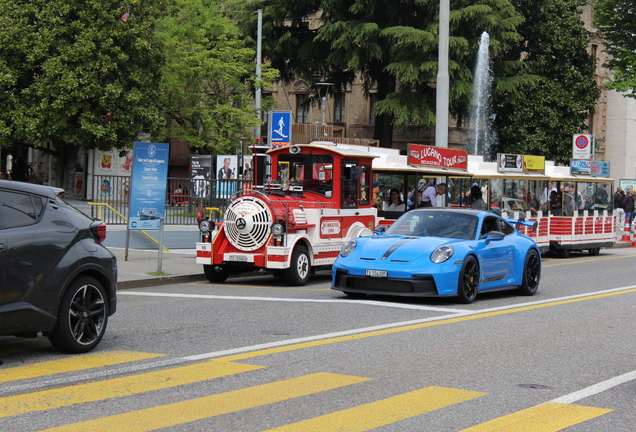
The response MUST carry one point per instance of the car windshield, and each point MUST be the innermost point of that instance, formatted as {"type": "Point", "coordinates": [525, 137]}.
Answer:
{"type": "Point", "coordinates": [424, 223]}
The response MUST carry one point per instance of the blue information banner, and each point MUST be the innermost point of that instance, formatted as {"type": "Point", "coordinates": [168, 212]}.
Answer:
{"type": "Point", "coordinates": [587, 167]}
{"type": "Point", "coordinates": [148, 189]}
{"type": "Point", "coordinates": [280, 129]}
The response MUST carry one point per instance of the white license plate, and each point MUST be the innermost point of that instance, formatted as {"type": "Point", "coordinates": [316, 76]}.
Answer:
{"type": "Point", "coordinates": [377, 273]}
{"type": "Point", "coordinates": [238, 258]}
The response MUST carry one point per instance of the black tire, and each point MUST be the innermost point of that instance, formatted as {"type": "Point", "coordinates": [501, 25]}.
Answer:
{"type": "Point", "coordinates": [531, 274]}
{"type": "Point", "coordinates": [298, 272]}
{"type": "Point", "coordinates": [468, 280]}
{"type": "Point", "coordinates": [354, 294]}
{"type": "Point", "coordinates": [82, 317]}
{"type": "Point", "coordinates": [213, 275]}
{"type": "Point", "coordinates": [594, 251]}
{"type": "Point", "coordinates": [563, 253]}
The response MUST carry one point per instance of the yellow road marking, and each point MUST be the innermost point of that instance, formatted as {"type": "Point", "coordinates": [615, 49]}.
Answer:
{"type": "Point", "coordinates": [124, 386]}
{"type": "Point", "coordinates": [415, 327]}
{"type": "Point", "coordinates": [580, 261]}
{"type": "Point", "coordinates": [548, 417]}
{"type": "Point", "coordinates": [383, 412]}
{"type": "Point", "coordinates": [71, 364]}
{"type": "Point", "coordinates": [209, 406]}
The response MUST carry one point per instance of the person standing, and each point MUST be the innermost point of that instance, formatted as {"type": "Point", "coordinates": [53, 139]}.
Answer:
{"type": "Point", "coordinates": [429, 196]}
{"type": "Point", "coordinates": [628, 204]}
{"type": "Point", "coordinates": [619, 196]}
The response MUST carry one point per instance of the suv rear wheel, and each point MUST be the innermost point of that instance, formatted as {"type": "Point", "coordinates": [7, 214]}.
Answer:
{"type": "Point", "coordinates": [82, 317]}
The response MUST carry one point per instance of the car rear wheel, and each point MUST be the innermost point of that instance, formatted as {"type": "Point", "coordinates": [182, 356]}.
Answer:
{"type": "Point", "coordinates": [531, 274]}
{"type": "Point", "coordinates": [213, 275]}
{"type": "Point", "coordinates": [82, 317]}
{"type": "Point", "coordinates": [468, 280]}
{"type": "Point", "coordinates": [298, 272]}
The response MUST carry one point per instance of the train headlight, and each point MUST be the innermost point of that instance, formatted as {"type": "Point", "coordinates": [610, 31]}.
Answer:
{"type": "Point", "coordinates": [278, 229]}
{"type": "Point", "coordinates": [205, 226]}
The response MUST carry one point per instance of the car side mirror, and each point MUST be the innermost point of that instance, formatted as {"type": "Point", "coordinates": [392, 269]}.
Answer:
{"type": "Point", "coordinates": [495, 235]}
{"type": "Point", "coordinates": [379, 229]}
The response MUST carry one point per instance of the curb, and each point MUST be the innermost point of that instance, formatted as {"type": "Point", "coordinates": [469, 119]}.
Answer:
{"type": "Point", "coordinates": [161, 280]}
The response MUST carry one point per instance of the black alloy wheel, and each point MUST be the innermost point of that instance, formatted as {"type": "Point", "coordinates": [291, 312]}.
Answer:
{"type": "Point", "coordinates": [468, 280]}
{"type": "Point", "coordinates": [82, 317]}
{"type": "Point", "coordinates": [531, 274]}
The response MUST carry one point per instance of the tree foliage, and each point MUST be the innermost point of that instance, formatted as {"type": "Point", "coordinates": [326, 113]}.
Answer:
{"type": "Point", "coordinates": [616, 19]}
{"type": "Point", "coordinates": [540, 116]}
{"type": "Point", "coordinates": [392, 44]}
{"type": "Point", "coordinates": [78, 73]}
{"type": "Point", "coordinates": [209, 78]}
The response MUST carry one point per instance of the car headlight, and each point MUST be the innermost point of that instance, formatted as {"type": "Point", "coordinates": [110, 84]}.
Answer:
{"type": "Point", "coordinates": [442, 254]}
{"type": "Point", "coordinates": [205, 226]}
{"type": "Point", "coordinates": [348, 248]}
{"type": "Point", "coordinates": [278, 229]}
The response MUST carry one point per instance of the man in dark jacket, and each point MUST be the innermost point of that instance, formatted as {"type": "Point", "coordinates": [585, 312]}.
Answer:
{"type": "Point", "coordinates": [619, 212]}
{"type": "Point", "coordinates": [628, 204]}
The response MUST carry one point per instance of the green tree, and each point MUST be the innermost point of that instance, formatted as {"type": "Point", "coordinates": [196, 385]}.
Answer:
{"type": "Point", "coordinates": [78, 73]}
{"type": "Point", "coordinates": [391, 44]}
{"type": "Point", "coordinates": [541, 117]}
{"type": "Point", "coordinates": [616, 19]}
{"type": "Point", "coordinates": [209, 78]}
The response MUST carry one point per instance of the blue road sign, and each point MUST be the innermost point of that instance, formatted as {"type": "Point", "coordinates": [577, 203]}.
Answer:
{"type": "Point", "coordinates": [280, 129]}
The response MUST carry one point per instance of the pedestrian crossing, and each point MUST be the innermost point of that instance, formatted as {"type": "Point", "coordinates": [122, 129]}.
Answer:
{"type": "Point", "coordinates": [550, 416]}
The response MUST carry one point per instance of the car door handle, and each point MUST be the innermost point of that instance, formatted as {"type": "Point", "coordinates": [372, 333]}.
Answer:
{"type": "Point", "coordinates": [2, 246]}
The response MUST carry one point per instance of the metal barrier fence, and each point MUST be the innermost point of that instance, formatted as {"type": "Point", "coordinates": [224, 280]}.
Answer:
{"type": "Point", "coordinates": [184, 196]}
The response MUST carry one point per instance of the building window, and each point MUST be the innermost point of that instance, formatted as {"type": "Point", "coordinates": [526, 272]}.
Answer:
{"type": "Point", "coordinates": [373, 98]}
{"type": "Point", "coordinates": [339, 108]}
{"type": "Point", "coordinates": [302, 108]}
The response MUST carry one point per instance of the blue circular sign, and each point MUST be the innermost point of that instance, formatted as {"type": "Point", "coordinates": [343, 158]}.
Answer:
{"type": "Point", "coordinates": [581, 141]}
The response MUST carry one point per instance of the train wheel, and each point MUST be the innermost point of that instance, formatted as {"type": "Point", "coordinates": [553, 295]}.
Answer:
{"type": "Point", "coordinates": [298, 272]}
{"type": "Point", "coordinates": [594, 251]}
{"type": "Point", "coordinates": [213, 275]}
{"type": "Point", "coordinates": [563, 253]}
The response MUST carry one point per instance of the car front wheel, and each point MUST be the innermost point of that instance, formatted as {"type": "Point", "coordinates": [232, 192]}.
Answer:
{"type": "Point", "coordinates": [82, 317]}
{"type": "Point", "coordinates": [468, 280]}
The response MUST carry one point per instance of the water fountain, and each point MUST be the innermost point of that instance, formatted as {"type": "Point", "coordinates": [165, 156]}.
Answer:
{"type": "Point", "coordinates": [482, 137]}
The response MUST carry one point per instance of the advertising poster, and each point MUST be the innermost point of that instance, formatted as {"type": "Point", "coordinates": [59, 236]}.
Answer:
{"type": "Point", "coordinates": [586, 167]}
{"type": "Point", "coordinates": [148, 189]}
{"type": "Point", "coordinates": [201, 174]}
{"type": "Point", "coordinates": [226, 175]}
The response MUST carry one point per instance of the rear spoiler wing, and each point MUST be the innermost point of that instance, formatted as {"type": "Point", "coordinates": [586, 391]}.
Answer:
{"type": "Point", "coordinates": [523, 221]}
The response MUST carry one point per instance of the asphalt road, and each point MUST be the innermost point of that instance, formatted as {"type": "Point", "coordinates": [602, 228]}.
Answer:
{"type": "Point", "coordinates": [252, 355]}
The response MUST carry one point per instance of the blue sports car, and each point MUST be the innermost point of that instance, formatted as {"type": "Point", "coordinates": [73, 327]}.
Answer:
{"type": "Point", "coordinates": [440, 252]}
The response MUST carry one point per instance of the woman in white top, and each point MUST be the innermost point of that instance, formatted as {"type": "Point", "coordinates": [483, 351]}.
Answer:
{"type": "Point", "coordinates": [394, 203]}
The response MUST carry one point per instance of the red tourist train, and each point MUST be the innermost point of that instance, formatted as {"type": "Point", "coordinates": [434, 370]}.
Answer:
{"type": "Point", "coordinates": [318, 196]}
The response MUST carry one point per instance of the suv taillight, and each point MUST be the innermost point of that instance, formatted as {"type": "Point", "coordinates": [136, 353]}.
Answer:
{"type": "Point", "coordinates": [100, 230]}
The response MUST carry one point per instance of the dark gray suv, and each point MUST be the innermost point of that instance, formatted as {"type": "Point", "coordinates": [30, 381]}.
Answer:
{"type": "Point", "coordinates": [55, 275]}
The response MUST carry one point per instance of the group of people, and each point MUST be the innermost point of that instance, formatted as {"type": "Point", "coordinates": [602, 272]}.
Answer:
{"type": "Point", "coordinates": [423, 196]}
{"type": "Point", "coordinates": [623, 206]}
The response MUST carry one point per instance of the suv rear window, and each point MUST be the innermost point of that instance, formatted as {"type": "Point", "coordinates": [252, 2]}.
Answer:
{"type": "Point", "coordinates": [18, 209]}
